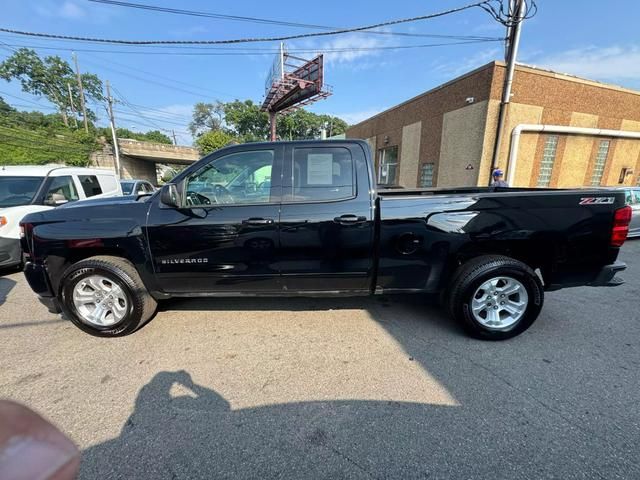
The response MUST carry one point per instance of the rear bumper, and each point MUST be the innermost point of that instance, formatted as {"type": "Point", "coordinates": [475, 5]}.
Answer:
{"type": "Point", "coordinates": [607, 276]}
{"type": "Point", "coordinates": [10, 252]}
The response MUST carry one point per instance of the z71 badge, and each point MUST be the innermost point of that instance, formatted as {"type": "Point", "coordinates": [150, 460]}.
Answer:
{"type": "Point", "coordinates": [597, 200]}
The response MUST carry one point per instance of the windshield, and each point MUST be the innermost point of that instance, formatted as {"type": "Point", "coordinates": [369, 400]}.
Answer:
{"type": "Point", "coordinates": [127, 187]}
{"type": "Point", "coordinates": [16, 191]}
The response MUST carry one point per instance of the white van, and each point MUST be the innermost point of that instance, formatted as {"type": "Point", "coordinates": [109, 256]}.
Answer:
{"type": "Point", "coordinates": [30, 189]}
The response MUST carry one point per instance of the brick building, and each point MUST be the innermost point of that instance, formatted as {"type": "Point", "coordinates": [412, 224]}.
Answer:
{"type": "Point", "coordinates": [445, 137]}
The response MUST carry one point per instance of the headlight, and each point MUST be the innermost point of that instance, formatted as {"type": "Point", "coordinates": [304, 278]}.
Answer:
{"type": "Point", "coordinates": [3, 221]}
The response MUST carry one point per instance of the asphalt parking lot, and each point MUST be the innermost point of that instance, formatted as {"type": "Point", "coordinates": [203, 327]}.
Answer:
{"type": "Point", "coordinates": [337, 388]}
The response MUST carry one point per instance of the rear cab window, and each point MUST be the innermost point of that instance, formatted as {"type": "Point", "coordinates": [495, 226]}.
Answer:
{"type": "Point", "coordinates": [320, 174]}
{"type": "Point", "coordinates": [90, 185]}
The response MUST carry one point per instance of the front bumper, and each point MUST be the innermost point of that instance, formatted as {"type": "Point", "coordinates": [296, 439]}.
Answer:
{"type": "Point", "coordinates": [38, 280]}
{"type": "Point", "coordinates": [607, 276]}
{"type": "Point", "coordinates": [10, 252]}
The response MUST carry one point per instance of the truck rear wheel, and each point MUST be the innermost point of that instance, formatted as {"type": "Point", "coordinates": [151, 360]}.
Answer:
{"type": "Point", "coordinates": [495, 297]}
{"type": "Point", "coordinates": [105, 297]}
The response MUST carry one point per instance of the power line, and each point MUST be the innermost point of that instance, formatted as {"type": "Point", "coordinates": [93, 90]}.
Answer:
{"type": "Point", "coordinates": [129, 75]}
{"type": "Point", "coordinates": [254, 40]}
{"type": "Point", "coordinates": [257, 52]}
{"type": "Point", "coordinates": [219, 16]}
{"type": "Point", "coordinates": [152, 119]}
{"type": "Point", "coordinates": [135, 110]}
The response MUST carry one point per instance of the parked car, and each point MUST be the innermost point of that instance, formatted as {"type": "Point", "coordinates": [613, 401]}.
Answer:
{"type": "Point", "coordinates": [322, 228]}
{"type": "Point", "coordinates": [136, 187]}
{"type": "Point", "coordinates": [36, 188]}
{"type": "Point", "coordinates": [632, 198]}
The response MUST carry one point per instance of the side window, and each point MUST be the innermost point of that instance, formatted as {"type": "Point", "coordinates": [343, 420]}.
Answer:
{"type": "Point", "coordinates": [90, 185]}
{"type": "Point", "coordinates": [235, 179]}
{"type": "Point", "coordinates": [321, 174]}
{"type": "Point", "coordinates": [108, 183]}
{"type": "Point", "coordinates": [629, 197]}
{"type": "Point", "coordinates": [61, 190]}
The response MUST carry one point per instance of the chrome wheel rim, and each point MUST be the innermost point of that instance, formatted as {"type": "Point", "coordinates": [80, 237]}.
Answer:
{"type": "Point", "coordinates": [99, 301]}
{"type": "Point", "coordinates": [499, 303]}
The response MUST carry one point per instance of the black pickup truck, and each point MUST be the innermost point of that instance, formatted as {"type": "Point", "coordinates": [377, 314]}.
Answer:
{"type": "Point", "coordinates": [306, 218]}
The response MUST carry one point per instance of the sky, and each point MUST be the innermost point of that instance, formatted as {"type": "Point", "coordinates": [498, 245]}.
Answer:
{"type": "Point", "coordinates": [588, 38]}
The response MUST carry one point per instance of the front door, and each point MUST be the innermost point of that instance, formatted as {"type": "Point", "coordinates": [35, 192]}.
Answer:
{"type": "Point", "coordinates": [326, 220]}
{"type": "Point", "coordinates": [225, 239]}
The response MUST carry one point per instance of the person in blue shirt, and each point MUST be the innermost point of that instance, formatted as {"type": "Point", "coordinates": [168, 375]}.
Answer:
{"type": "Point", "coordinates": [497, 179]}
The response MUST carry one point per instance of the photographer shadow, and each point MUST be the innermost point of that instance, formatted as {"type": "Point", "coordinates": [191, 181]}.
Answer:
{"type": "Point", "coordinates": [195, 434]}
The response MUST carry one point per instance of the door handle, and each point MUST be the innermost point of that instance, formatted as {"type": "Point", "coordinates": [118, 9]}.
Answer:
{"type": "Point", "coordinates": [349, 219]}
{"type": "Point", "coordinates": [258, 221]}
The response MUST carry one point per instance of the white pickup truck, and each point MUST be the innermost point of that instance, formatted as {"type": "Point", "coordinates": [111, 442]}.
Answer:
{"type": "Point", "coordinates": [28, 189]}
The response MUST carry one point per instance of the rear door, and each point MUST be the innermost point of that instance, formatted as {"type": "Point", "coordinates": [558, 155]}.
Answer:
{"type": "Point", "coordinates": [326, 220]}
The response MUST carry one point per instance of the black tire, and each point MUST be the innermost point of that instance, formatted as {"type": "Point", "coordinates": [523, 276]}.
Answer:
{"type": "Point", "coordinates": [471, 275]}
{"type": "Point", "coordinates": [140, 305]}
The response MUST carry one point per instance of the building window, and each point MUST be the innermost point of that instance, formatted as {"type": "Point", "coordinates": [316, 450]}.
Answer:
{"type": "Point", "coordinates": [426, 175]}
{"type": "Point", "coordinates": [388, 166]}
{"type": "Point", "coordinates": [601, 160]}
{"type": "Point", "coordinates": [548, 157]}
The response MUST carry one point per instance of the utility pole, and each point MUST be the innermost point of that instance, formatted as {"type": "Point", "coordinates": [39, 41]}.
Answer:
{"type": "Point", "coordinates": [272, 126]}
{"type": "Point", "coordinates": [515, 18]}
{"type": "Point", "coordinates": [73, 108]}
{"type": "Point", "coordinates": [173, 133]}
{"type": "Point", "coordinates": [112, 122]}
{"type": "Point", "coordinates": [84, 109]}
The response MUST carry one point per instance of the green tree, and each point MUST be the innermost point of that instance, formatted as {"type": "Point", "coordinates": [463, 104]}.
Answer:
{"type": "Point", "coordinates": [157, 136]}
{"type": "Point", "coordinates": [51, 77]}
{"type": "Point", "coordinates": [38, 138]}
{"type": "Point", "coordinates": [213, 140]}
{"type": "Point", "coordinates": [246, 121]}
{"type": "Point", "coordinates": [206, 117]}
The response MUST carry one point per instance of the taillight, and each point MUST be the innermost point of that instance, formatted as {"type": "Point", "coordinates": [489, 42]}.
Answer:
{"type": "Point", "coordinates": [621, 220]}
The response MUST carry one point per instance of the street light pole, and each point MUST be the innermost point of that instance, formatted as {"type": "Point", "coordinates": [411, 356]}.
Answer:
{"type": "Point", "coordinates": [513, 44]}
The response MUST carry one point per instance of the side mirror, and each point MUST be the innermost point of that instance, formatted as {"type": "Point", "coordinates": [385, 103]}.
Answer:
{"type": "Point", "coordinates": [170, 195]}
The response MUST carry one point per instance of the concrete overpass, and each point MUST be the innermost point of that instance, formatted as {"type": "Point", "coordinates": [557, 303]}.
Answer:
{"type": "Point", "coordinates": [139, 159]}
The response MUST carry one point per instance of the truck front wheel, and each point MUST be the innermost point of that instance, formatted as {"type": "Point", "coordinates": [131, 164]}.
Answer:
{"type": "Point", "coordinates": [495, 297]}
{"type": "Point", "coordinates": [105, 297]}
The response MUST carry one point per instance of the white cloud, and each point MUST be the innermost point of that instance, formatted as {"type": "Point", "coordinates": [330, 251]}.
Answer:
{"type": "Point", "coordinates": [458, 67]}
{"type": "Point", "coordinates": [68, 9]}
{"type": "Point", "coordinates": [188, 31]}
{"type": "Point", "coordinates": [351, 48]}
{"type": "Point", "coordinates": [75, 10]}
{"type": "Point", "coordinates": [356, 117]}
{"type": "Point", "coordinates": [597, 63]}
{"type": "Point", "coordinates": [71, 10]}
